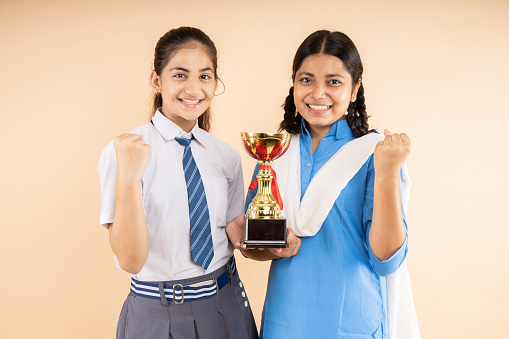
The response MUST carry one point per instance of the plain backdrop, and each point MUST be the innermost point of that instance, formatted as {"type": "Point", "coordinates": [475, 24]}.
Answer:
{"type": "Point", "coordinates": [73, 75]}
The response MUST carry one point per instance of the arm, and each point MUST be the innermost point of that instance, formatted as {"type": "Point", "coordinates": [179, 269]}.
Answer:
{"type": "Point", "coordinates": [129, 238]}
{"type": "Point", "coordinates": [388, 233]}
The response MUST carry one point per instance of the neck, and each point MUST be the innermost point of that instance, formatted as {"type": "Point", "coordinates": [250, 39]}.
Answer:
{"type": "Point", "coordinates": [186, 125]}
{"type": "Point", "coordinates": [317, 133]}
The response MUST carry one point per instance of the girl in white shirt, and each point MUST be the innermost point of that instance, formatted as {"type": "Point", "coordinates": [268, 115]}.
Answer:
{"type": "Point", "coordinates": [144, 204]}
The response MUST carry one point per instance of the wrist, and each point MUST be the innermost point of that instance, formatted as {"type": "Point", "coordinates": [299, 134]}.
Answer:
{"type": "Point", "coordinates": [127, 180]}
{"type": "Point", "coordinates": [387, 176]}
{"type": "Point", "coordinates": [127, 184]}
{"type": "Point", "coordinates": [386, 182]}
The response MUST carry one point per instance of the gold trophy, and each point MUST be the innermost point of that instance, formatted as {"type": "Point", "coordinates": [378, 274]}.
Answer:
{"type": "Point", "coordinates": [264, 226]}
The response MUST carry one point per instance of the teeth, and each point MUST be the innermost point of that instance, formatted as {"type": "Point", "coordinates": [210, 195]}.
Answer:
{"type": "Point", "coordinates": [190, 102]}
{"type": "Point", "coordinates": [319, 107]}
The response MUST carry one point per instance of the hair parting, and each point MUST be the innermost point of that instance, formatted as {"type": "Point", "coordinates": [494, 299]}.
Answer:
{"type": "Point", "coordinates": [169, 44]}
{"type": "Point", "coordinates": [341, 46]}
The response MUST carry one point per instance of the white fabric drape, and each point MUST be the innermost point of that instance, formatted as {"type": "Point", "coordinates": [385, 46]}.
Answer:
{"type": "Point", "coordinates": [307, 216]}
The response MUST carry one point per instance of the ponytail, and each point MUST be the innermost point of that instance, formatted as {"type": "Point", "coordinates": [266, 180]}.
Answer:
{"type": "Point", "coordinates": [357, 117]}
{"type": "Point", "coordinates": [156, 103]}
{"type": "Point", "coordinates": [292, 119]}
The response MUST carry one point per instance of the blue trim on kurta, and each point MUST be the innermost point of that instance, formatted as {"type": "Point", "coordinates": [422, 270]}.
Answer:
{"type": "Point", "coordinates": [335, 286]}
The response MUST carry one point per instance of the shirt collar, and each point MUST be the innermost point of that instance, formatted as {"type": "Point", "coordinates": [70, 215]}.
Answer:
{"type": "Point", "coordinates": [340, 129]}
{"type": "Point", "coordinates": [170, 130]}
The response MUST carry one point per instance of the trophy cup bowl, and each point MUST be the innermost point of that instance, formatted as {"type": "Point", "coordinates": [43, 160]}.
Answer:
{"type": "Point", "coordinates": [264, 225]}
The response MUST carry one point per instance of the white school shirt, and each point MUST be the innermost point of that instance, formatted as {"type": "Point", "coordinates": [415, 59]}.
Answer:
{"type": "Point", "coordinates": [164, 196]}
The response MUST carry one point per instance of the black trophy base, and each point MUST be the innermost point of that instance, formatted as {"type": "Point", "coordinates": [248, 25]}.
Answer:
{"type": "Point", "coordinates": [265, 233]}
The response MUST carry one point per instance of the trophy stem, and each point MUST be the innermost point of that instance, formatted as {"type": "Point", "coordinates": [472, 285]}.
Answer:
{"type": "Point", "coordinates": [264, 205]}
{"type": "Point", "coordinates": [265, 181]}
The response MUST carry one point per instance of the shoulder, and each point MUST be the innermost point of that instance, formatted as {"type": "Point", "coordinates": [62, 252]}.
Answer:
{"type": "Point", "coordinates": [363, 148]}
{"type": "Point", "coordinates": [142, 130]}
{"type": "Point", "coordinates": [221, 147]}
{"type": "Point", "coordinates": [107, 159]}
{"type": "Point", "coordinates": [366, 144]}
{"type": "Point", "coordinates": [374, 136]}
{"type": "Point", "coordinates": [108, 153]}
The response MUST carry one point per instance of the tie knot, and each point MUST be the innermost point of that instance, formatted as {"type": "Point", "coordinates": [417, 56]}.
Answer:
{"type": "Point", "coordinates": [184, 141]}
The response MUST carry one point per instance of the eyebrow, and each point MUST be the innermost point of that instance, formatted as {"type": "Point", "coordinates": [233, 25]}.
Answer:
{"type": "Point", "coordinates": [327, 76]}
{"type": "Point", "coordinates": [188, 71]}
{"type": "Point", "coordinates": [334, 76]}
{"type": "Point", "coordinates": [306, 73]}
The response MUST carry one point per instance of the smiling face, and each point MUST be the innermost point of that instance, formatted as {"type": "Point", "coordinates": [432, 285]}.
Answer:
{"type": "Point", "coordinates": [187, 85]}
{"type": "Point", "coordinates": [323, 91]}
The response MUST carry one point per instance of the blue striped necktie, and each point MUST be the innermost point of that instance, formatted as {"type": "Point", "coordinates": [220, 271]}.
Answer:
{"type": "Point", "coordinates": [202, 250]}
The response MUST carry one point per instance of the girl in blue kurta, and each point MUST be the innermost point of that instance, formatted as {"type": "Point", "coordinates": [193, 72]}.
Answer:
{"type": "Point", "coordinates": [332, 284]}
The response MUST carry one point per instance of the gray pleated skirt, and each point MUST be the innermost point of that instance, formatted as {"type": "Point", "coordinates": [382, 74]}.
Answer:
{"type": "Point", "coordinates": [226, 315]}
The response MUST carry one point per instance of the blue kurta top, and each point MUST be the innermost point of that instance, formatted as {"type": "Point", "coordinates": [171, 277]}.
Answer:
{"type": "Point", "coordinates": [335, 286]}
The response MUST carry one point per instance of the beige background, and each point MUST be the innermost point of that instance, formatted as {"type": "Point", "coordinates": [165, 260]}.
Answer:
{"type": "Point", "coordinates": [74, 75]}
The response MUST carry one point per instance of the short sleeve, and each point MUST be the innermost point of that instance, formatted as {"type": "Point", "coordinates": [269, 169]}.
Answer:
{"type": "Point", "coordinates": [390, 265]}
{"type": "Point", "coordinates": [107, 169]}
{"type": "Point", "coordinates": [236, 192]}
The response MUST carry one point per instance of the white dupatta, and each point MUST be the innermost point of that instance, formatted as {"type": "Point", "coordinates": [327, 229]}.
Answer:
{"type": "Point", "coordinates": [307, 216]}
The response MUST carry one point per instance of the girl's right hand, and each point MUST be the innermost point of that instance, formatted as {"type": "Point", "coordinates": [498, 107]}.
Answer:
{"type": "Point", "coordinates": [132, 157]}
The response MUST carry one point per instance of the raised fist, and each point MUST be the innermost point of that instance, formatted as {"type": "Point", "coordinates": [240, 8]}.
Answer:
{"type": "Point", "coordinates": [132, 156]}
{"type": "Point", "coordinates": [391, 153]}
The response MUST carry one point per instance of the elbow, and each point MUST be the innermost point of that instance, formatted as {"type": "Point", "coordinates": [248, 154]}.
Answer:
{"type": "Point", "coordinates": [132, 270]}
{"type": "Point", "coordinates": [388, 266]}
{"type": "Point", "coordinates": [382, 256]}
{"type": "Point", "coordinates": [131, 266]}
{"type": "Point", "coordinates": [384, 271]}
{"type": "Point", "coordinates": [385, 266]}
{"type": "Point", "coordinates": [131, 259]}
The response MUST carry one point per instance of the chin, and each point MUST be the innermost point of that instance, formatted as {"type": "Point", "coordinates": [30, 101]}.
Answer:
{"type": "Point", "coordinates": [191, 117]}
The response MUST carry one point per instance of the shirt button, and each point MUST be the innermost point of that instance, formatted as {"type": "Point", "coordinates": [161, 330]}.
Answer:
{"type": "Point", "coordinates": [243, 294]}
{"type": "Point", "coordinates": [245, 303]}
{"type": "Point", "coordinates": [309, 165]}
{"type": "Point", "coordinates": [240, 284]}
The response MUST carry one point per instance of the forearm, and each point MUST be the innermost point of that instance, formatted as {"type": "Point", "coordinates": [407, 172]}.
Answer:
{"type": "Point", "coordinates": [387, 232]}
{"type": "Point", "coordinates": [129, 238]}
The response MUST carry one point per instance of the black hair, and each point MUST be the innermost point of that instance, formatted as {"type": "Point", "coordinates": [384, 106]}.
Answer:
{"type": "Point", "coordinates": [341, 46]}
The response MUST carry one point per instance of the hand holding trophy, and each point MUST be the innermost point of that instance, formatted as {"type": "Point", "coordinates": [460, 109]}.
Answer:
{"type": "Point", "coordinates": [264, 226]}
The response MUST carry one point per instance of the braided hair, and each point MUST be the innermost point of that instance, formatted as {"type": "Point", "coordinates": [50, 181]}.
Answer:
{"type": "Point", "coordinates": [339, 45]}
{"type": "Point", "coordinates": [169, 44]}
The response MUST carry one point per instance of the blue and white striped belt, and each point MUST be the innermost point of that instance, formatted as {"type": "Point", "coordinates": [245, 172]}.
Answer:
{"type": "Point", "coordinates": [180, 293]}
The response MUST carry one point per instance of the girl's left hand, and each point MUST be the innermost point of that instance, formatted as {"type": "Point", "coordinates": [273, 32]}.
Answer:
{"type": "Point", "coordinates": [391, 153]}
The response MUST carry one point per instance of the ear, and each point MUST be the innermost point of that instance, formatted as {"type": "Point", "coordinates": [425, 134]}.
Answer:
{"type": "Point", "coordinates": [155, 82]}
{"type": "Point", "coordinates": [355, 90]}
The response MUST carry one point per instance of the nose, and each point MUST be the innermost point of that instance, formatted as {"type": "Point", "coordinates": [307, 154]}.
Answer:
{"type": "Point", "coordinates": [192, 87]}
{"type": "Point", "coordinates": [318, 91]}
